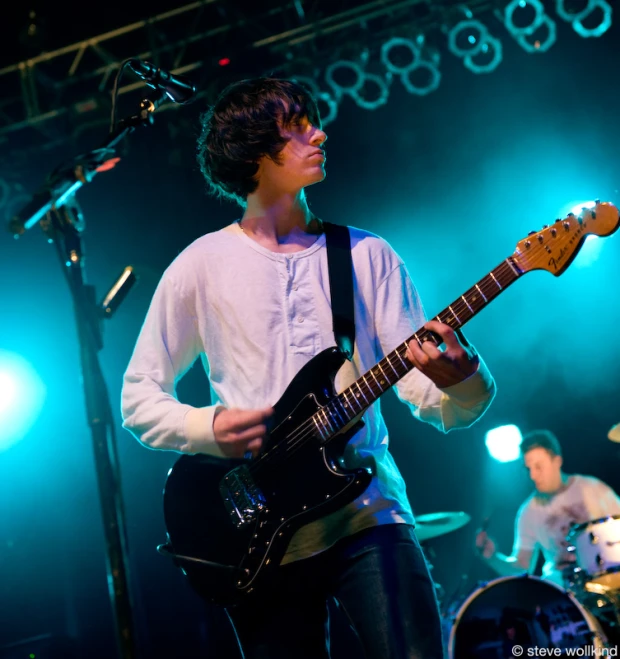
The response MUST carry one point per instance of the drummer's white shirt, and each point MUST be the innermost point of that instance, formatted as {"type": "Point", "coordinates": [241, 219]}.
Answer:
{"type": "Point", "coordinates": [544, 524]}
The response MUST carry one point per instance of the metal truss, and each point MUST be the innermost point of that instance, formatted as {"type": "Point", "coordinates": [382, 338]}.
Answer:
{"type": "Point", "coordinates": [47, 100]}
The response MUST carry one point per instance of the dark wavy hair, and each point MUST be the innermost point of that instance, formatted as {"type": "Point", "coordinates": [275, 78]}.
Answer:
{"type": "Point", "coordinates": [541, 439]}
{"type": "Point", "coordinates": [244, 126]}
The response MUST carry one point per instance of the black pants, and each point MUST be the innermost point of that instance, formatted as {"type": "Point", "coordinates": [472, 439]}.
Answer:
{"type": "Point", "coordinates": [380, 579]}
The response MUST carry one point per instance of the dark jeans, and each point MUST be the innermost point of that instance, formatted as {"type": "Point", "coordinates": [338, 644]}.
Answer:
{"type": "Point", "coordinates": [379, 578]}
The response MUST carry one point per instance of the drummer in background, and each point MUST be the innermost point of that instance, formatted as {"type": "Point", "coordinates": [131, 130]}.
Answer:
{"type": "Point", "coordinates": [545, 518]}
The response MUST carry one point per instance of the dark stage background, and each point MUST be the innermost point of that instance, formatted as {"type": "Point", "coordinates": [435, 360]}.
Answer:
{"type": "Point", "coordinates": [452, 180]}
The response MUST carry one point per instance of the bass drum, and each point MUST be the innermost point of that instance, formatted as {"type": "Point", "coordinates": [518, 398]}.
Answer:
{"type": "Point", "coordinates": [521, 611]}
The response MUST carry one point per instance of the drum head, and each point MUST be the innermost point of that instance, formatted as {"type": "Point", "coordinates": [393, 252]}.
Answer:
{"type": "Point", "coordinates": [521, 611]}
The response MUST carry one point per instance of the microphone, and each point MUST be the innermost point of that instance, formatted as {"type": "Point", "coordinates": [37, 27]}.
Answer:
{"type": "Point", "coordinates": [178, 89]}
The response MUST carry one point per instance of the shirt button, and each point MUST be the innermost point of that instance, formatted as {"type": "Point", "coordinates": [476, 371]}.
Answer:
{"type": "Point", "coordinates": [289, 256]}
{"type": "Point", "coordinates": [300, 319]}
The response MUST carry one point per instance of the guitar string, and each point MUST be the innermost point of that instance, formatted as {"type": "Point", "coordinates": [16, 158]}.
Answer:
{"type": "Point", "coordinates": [308, 428]}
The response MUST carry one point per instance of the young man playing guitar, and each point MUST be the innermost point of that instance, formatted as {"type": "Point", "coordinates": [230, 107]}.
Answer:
{"type": "Point", "coordinates": [253, 301]}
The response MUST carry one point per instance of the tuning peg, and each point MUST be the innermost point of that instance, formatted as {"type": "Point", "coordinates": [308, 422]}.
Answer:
{"type": "Point", "coordinates": [531, 233]}
{"type": "Point", "coordinates": [559, 219]}
{"type": "Point", "coordinates": [597, 201]}
{"type": "Point", "coordinates": [571, 215]}
{"type": "Point", "coordinates": [545, 226]}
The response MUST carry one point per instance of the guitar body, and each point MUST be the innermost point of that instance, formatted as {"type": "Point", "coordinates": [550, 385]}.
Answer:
{"type": "Point", "coordinates": [290, 484]}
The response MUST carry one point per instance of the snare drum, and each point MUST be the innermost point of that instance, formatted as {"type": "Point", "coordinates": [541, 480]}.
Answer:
{"type": "Point", "coordinates": [597, 547]}
{"type": "Point", "coordinates": [521, 611]}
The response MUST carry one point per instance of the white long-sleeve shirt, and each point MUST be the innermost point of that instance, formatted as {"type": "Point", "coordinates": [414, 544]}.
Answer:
{"type": "Point", "coordinates": [255, 317]}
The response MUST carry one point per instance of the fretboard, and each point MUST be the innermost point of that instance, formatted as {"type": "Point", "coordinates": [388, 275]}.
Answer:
{"type": "Point", "coordinates": [354, 400]}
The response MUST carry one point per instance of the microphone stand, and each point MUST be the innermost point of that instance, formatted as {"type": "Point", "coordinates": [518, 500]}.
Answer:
{"type": "Point", "coordinates": [63, 225]}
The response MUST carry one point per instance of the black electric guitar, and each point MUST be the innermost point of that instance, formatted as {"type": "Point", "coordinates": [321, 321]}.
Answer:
{"type": "Point", "coordinates": [229, 522]}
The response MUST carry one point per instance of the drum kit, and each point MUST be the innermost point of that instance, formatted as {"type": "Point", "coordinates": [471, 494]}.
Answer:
{"type": "Point", "coordinates": [529, 616]}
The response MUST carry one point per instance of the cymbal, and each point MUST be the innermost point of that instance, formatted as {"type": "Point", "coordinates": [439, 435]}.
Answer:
{"type": "Point", "coordinates": [436, 524]}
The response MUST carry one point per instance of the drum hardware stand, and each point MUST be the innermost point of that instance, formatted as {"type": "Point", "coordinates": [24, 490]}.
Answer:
{"type": "Point", "coordinates": [62, 221]}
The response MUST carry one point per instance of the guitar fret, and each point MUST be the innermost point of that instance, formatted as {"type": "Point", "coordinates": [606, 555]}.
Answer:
{"type": "Point", "coordinates": [383, 373]}
{"type": "Point", "coordinates": [495, 280]}
{"type": "Point", "coordinates": [355, 399]}
{"type": "Point", "coordinates": [319, 428]}
{"type": "Point", "coordinates": [344, 423]}
{"type": "Point", "coordinates": [368, 384]}
{"type": "Point", "coordinates": [509, 262]}
{"type": "Point", "coordinates": [452, 312]}
{"type": "Point", "coordinates": [481, 293]}
{"type": "Point", "coordinates": [375, 378]}
{"type": "Point", "coordinates": [331, 426]}
{"type": "Point", "coordinates": [388, 360]}
{"type": "Point", "coordinates": [347, 411]}
{"type": "Point", "coordinates": [467, 303]}
{"type": "Point", "coordinates": [404, 363]}
{"type": "Point", "coordinates": [361, 392]}
{"type": "Point", "coordinates": [343, 408]}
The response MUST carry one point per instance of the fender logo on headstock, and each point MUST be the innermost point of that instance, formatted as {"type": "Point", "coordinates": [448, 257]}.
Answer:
{"type": "Point", "coordinates": [555, 263]}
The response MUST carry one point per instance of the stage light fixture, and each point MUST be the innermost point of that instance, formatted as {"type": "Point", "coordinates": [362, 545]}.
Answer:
{"type": "Point", "coordinates": [479, 41]}
{"type": "Point", "coordinates": [374, 101]}
{"type": "Point", "coordinates": [22, 394]}
{"type": "Point", "coordinates": [355, 89]}
{"type": "Point", "coordinates": [328, 105]}
{"type": "Point", "coordinates": [504, 443]}
{"type": "Point", "coordinates": [491, 44]}
{"type": "Point", "coordinates": [416, 62]}
{"type": "Point", "coordinates": [577, 18]}
{"type": "Point", "coordinates": [523, 34]}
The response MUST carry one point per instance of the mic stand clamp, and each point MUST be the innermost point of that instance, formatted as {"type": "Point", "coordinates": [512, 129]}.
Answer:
{"type": "Point", "coordinates": [66, 180]}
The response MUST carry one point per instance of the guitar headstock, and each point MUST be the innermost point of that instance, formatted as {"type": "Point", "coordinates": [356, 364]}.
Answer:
{"type": "Point", "coordinates": [554, 247]}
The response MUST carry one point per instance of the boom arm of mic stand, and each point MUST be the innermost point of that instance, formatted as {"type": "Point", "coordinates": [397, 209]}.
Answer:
{"type": "Point", "coordinates": [54, 195]}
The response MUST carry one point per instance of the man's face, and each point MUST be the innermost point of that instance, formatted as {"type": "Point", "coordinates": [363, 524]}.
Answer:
{"type": "Point", "coordinates": [301, 161]}
{"type": "Point", "coordinates": [545, 469]}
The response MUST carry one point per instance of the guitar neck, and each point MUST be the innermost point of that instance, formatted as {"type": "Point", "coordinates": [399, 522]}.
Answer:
{"type": "Point", "coordinates": [354, 400]}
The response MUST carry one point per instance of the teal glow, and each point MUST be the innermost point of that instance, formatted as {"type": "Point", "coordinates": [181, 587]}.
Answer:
{"type": "Point", "coordinates": [591, 250]}
{"type": "Point", "coordinates": [22, 394]}
{"type": "Point", "coordinates": [503, 443]}
{"type": "Point", "coordinates": [579, 207]}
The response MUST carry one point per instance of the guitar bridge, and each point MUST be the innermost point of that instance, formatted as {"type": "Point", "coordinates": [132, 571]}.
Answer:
{"type": "Point", "coordinates": [243, 499]}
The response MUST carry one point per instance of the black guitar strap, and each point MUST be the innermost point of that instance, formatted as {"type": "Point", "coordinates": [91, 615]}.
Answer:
{"type": "Point", "coordinates": [340, 267]}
